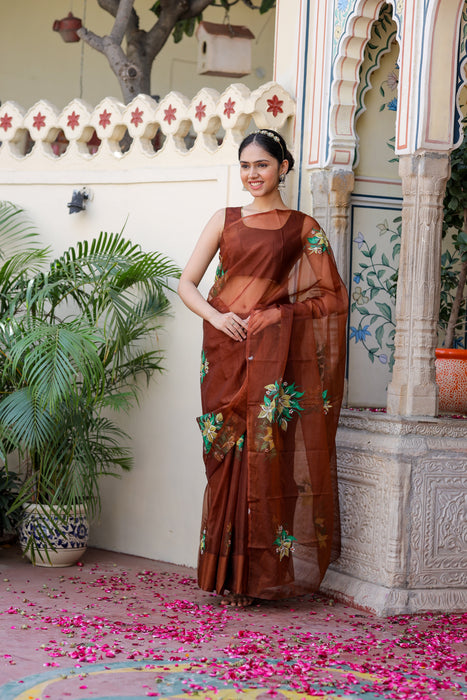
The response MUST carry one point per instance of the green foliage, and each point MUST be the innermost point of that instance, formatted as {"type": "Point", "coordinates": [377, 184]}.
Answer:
{"type": "Point", "coordinates": [455, 199]}
{"type": "Point", "coordinates": [449, 281]}
{"type": "Point", "coordinates": [454, 225]}
{"type": "Point", "coordinates": [186, 27]}
{"type": "Point", "coordinates": [266, 5]}
{"type": "Point", "coordinates": [75, 336]}
{"type": "Point", "coordinates": [9, 488]}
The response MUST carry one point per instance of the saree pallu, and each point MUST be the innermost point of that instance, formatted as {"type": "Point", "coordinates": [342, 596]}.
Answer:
{"type": "Point", "coordinates": [270, 522]}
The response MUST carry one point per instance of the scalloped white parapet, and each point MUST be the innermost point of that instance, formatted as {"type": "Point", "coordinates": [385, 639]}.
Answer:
{"type": "Point", "coordinates": [209, 124]}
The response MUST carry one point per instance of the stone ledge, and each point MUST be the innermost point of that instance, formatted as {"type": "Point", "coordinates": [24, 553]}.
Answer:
{"type": "Point", "coordinates": [384, 602]}
{"type": "Point", "coordinates": [441, 426]}
{"type": "Point", "coordinates": [403, 497]}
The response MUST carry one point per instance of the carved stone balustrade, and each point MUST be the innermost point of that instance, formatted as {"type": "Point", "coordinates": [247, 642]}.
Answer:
{"type": "Point", "coordinates": [211, 124]}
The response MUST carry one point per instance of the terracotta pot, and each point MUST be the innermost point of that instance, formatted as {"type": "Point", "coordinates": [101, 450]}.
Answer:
{"type": "Point", "coordinates": [68, 545]}
{"type": "Point", "coordinates": [67, 27]}
{"type": "Point", "coordinates": [451, 378]}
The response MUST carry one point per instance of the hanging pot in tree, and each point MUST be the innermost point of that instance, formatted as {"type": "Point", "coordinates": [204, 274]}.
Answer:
{"type": "Point", "coordinates": [67, 27]}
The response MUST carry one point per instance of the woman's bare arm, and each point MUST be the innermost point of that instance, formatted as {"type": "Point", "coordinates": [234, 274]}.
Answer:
{"type": "Point", "coordinates": [205, 249]}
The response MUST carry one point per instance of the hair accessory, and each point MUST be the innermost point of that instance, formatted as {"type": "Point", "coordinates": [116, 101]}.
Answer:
{"type": "Point", "coordinates": [270, 135]}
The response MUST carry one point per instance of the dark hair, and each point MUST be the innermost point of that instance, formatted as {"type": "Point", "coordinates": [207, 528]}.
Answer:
{"type": "Point", "coordinates": [272, 142]}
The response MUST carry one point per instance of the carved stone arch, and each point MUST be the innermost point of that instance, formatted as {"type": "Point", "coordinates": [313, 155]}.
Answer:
{"type": "Point", "coordinates": [437, 109]}
{"type": "Point", "coordinates": [371, 63]}
{"type": "Point", "coordinates": [342, 136]}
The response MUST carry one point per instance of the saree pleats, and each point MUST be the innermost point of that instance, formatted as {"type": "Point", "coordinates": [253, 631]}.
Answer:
{"type": "Point", "coordinates": [270, 523]}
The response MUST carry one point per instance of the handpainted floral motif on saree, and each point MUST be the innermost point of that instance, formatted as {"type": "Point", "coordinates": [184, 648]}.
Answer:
{"type": "Point", "coordinates": [265, 439]}
{"type": "Point", "coordinates": [318, 242]}
{"type": "Point", "coordinates": [202, 542]}
{"type": "Point", "coordinates": [326, 402]}
{"type": "Point", "coordinates": [240, 442]}
{"type": "Point", "coordinates": [219, 278]}
{"type": "Point", "coordinates": [281, 401]}
{"type": "Point", "coordinates": [284, 543]}
{"type": "Point", "coordinates": [321, 535]}
{"type": "Point", "coordinates": [204, 369]}
{"type": "Point", "coordinates": [210, 424]}
{"type": "Point", "coordinates": [220, 272]}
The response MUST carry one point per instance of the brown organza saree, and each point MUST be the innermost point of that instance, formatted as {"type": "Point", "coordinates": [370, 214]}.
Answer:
{"type": "Point", "coordinates": [271, 403]}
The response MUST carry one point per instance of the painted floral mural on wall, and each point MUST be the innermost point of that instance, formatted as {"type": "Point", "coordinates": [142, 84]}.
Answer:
{"type": "Point", "coordinates": [388, 88]}
{"type": "Point", "coordinates": [374, 294]}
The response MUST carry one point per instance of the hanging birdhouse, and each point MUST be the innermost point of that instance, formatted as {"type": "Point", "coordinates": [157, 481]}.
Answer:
{"type": "Point", "coordinates": [224, 49]}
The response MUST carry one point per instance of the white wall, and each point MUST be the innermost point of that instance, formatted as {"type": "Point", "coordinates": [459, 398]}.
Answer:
{"type": "Point", "coordinates": [154, 510]}
{"type": "Point", "coordinates": [165, 198]}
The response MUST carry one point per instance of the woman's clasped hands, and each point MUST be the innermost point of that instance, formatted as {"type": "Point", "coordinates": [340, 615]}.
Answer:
{"type": "Point", "coordinates": [236, 327]}
{"type": "Point", "coordinates": [232, 325]}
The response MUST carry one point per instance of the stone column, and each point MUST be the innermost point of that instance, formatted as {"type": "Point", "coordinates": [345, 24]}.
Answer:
{"type": "Point", "coordinates": [413, 390]}
{"type": "Point", "coordinates": [331, 192]}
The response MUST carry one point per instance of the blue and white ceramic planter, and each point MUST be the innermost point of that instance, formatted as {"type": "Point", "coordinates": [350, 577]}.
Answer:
{"type": "Point", "coordinates": [69, 541]}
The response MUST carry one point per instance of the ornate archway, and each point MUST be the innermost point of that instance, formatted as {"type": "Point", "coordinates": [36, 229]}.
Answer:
{"type": "Point", "coordinates": [342, 135]}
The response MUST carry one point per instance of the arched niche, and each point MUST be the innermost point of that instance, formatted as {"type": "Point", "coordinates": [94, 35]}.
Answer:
{"type": "Point", "coordinates": [428, 78]}
{"type": "Point", "coordinates": [376, 108]}
{"type": "Point", "coordinates": [342, 137]}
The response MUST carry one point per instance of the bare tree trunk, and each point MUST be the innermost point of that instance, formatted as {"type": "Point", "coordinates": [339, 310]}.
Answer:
{"type": "Point", "coordinates": [454, 315]}
{"type": "Point", "coordinates": [133, 69]}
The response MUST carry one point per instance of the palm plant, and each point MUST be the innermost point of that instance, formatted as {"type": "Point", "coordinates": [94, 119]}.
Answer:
{"type": "Point", "coordinates": [75, 336]}
{"type": "Point", "coordinates": [9, 485]}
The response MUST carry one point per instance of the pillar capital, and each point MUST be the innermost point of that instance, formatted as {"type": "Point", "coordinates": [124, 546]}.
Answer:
{"type": "Point", "coordinates": [331, 192]}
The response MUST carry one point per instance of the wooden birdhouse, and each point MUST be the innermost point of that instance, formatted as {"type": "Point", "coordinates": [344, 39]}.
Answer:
{"type": "Point", "coordinates": [224, 49]}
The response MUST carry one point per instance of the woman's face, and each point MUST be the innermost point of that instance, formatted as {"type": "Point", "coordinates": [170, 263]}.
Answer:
{"type": "Point", "coordinates": [259, 170]}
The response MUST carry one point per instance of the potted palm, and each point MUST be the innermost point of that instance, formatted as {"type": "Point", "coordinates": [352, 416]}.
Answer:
{"type": "Point", "coordinates": [451, 359]}
{"type": "Point", "coordinates": [9, 485]}
{"type": "Point", "coordinates": [75, 337]}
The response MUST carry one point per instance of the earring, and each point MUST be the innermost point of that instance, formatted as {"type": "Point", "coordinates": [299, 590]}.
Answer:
{"type": "Point", "coordinates": [281, 184]}
{"type": "Point", "coordinates": [245, 189]}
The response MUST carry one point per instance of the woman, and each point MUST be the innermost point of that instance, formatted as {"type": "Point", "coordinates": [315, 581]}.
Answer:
{"type": "Point", "coordinates": [272, 370]}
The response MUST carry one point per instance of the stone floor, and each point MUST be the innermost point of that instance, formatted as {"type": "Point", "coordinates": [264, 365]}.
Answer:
{"type": "Point", "coordinates": [121, 627]}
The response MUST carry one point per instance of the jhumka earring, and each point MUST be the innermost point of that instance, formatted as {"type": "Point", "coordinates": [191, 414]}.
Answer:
{"type": "Point", "coordinates": [281, 184]}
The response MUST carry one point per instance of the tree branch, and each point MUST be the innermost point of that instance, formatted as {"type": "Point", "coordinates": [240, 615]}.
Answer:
{"type": "Point", "coordinates": [162, 29]}
{"type": "Point", "coordinates": [171, 12]}
{"type": "Point", "coordinates": [94, 41]}
{"type": "Point", "coordinates": [195, 7]}
{"type": "Point", "coordinates": [112, 7]}
{"type": "Point", "coordinates": [125, 8]}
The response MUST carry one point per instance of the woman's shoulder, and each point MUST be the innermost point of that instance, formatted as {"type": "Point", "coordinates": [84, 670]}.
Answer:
{"type": "Point", "coordinates": [309, 222]}
{"type": "Point", "coordinates": [220, 219]}
{"type": "Point", "coordinates": [221, 216]}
